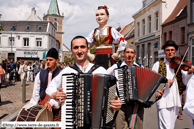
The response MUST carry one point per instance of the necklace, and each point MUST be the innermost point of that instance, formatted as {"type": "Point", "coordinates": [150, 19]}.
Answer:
{"type": "Point", "coordinates": [101, 29]}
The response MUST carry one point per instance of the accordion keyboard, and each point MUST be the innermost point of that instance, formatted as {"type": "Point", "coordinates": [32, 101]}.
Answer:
{"type": "Point", "coordinates": [120, 84]}
{"type": "Point", "coordinates": [67, 111]}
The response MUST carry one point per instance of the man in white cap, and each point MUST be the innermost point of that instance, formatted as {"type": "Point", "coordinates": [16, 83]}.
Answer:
{"type": "Point", "coordinates": [124, 115]}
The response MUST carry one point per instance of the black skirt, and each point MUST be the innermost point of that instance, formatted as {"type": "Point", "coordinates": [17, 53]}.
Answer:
{"type": "Point", "coordinates": [103, 60]}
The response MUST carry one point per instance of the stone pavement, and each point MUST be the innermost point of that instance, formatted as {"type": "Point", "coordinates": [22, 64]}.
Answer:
{"type": "Point", "coordinates": [11, 98]}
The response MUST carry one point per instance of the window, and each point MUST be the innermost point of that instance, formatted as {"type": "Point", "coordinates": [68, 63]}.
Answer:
{"type": "Point", "coordinates": [27, 27]}
{"type": "Point", "coordinates": [137, 57]}
{"type": "Point", "coordinates": [138, 29]}
{"type": "Point", "coordinates": [182, 34]}
{"type": "Point", "coordinates": [26, 41]}
{"type": "Point", "coordinates": [170, 35]}
{"type": "Point", "coordinates": [193, 10]}
{"type": "Point", "coordinates": [11, 41]}
{"type": "Point", "coordinates": [149, 24]}
{"type": "Point", "coordinates": [143, 24]}
{"type": "Point", "coordinates": [164, 38]}
{"type": "Point", "coordinates": [155, 56]}
{"type": "Point", "coordinates": [39, 27]}
{"type": "Point", "coordinates": [192, 49]}
{"type": "Point", "coordinates": [149, 55]}
{"type": "Point", "coordinates": [38, 42]}
{"type": "Point", "coordinates": [157, 21]}
{"type": "Point", "coordinates": [55, 24]}
{"type": "Point", "coordinates": [143, 53]}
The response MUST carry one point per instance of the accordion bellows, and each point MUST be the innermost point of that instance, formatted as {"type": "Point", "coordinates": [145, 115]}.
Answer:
{"type": "Point", "coordinates": [138, 84]}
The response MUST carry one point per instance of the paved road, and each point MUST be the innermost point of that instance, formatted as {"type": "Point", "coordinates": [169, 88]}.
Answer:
{"type": "Point", "coordinates": [12, 101]}
{"type": "Point", "coordinates": [11, 98]}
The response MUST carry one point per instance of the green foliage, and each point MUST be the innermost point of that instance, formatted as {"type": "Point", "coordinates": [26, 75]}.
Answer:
{"type": "Point", "coordinates": [1, 27]}
{"type": "Point", "coordinates": [93, 50]}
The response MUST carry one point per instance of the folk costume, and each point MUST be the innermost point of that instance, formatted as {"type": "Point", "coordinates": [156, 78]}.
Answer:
{"type": "Point", "coordinates": [189, 102]}
{"type": "Point", "coordinates": [103, 37]}
{"type": "Point", "coordinates": [168, 105]}
{"type": "Point", "coordinates": [103, 40]}
{"type": "Point", "coordinates": [126, 111]}
{"type": "Point", "coordinates": [41, 83]}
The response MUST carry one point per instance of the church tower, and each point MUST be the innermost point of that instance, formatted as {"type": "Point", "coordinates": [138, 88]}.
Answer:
{"type": "Point", "coordinates": [56, 18]}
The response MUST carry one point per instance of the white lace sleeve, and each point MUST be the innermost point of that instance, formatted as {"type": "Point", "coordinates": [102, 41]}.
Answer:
{"type": "Point", "coordinates": [118, 39]}
{"type": "Point", "coordinates": [90, 39]}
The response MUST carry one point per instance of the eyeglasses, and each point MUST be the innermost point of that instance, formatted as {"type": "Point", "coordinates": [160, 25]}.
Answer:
{"type": "Point", "coordinates": [168, 50]}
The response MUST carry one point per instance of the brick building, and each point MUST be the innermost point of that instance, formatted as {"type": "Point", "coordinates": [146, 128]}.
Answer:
{"type": "Point", "coordinates": [175, 27]}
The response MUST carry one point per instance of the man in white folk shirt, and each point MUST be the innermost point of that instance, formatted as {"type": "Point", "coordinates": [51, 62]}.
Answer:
{"type": "Point", "coordinates": [169, 104]}
{"type": "Point", "coordinates": [189, 101]}
{"type": "Point", "coordinates": [79, 48]}
{"type": "Point", "coordinates": [42, 81]}
{"type": "Point", "coordinates": [124, 115]}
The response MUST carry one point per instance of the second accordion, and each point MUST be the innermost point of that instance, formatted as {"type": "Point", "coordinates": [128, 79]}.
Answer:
{"type": "Point", "coordinates": [136, 84]}
{"type": "Point", "coordinates": [87, 102]}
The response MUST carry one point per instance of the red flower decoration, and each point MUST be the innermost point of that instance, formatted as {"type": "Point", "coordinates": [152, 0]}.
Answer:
{"type": "Point", "coordinates": [122, 39]}
{"type": "Point", "coordinates": [105, 7]}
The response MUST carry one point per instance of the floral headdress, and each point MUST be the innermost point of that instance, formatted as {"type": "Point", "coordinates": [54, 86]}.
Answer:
{"type": "Point", "coordinates": [105, 7]}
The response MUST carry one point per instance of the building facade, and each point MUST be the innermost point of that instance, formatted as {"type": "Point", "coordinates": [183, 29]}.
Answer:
{"type": "Point", "coordinates": [148, 29]}
{"type": "Point", "coordinates": [175, 28]}
{"type": "Point", "coordinates": [27, 40]}
{"type": "Point", "coordinates": [190, 32]}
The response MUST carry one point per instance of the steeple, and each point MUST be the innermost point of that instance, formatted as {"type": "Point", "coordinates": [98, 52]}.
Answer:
{"type": "Point", "coordinates": [53, 8]}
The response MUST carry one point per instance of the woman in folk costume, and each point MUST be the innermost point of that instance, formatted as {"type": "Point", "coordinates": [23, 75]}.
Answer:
{"type": "Point", "coordinates": [103, 37]}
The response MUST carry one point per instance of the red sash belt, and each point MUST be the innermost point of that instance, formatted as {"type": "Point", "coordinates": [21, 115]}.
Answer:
{"type": "Point", "coordinates": [103, 51]}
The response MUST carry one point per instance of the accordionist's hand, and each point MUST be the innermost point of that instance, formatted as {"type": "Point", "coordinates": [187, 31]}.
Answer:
{"type": "Point", "coordinates": [169, 83]}
{"type": "Point", "coordinates": [160, 93]}
{"type": "Point", "coordinates": [115, 104]}
{"type": "Point", "coordinates": [59, 96]}
{"type": "Point", "coordinates": [48, 106]}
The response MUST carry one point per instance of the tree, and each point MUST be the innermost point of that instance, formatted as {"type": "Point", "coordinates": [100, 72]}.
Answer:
{"type": "Point", "coordinates": [1, 27]}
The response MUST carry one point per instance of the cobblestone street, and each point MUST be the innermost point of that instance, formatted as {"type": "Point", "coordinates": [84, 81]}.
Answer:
{"type": "Point", "coordinates": [11, 98]}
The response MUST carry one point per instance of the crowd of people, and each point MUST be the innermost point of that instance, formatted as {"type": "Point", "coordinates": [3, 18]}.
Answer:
{"type": "Point", "coordinates": [32, 68]}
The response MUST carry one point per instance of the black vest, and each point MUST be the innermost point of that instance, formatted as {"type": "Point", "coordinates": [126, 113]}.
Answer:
{"type": "Point", "coordinates": [44, 80]}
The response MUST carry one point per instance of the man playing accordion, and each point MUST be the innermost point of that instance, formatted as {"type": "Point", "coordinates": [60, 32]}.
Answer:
{"type": "Point", "coordinates": [79, 49]}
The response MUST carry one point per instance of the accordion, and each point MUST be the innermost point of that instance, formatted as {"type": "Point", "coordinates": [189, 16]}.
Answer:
{"type": "Point", "coordinates": [138, 84]}
{"type": "Point", "coordinates": [87, 102]}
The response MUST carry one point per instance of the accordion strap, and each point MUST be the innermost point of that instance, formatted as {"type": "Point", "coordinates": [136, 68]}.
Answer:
{"type": "Point", "coordinates": [75, 67]}
{"type": "Point", "coordinates": [133, 117]}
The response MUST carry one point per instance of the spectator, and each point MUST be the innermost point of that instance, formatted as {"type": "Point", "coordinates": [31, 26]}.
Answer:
{"type": "Point", "coordinates": [7, 72]}
{"type": "Point", "coordinates": [1, 74]}
{"type": "Point", "coordinates": [16, 71]}
{"type": "Point", "coordinates": [36, 69]}
{"type": "Point", "coordinates": [22, 71]}
{"type": "Point", "coordinates": [30, 72]}
{"type": "Point", "coordinates": [12, 71]}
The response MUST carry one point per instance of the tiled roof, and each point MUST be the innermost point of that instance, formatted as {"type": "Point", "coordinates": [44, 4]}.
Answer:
{"type": "Point", "coordinates": [127, 29]}
{"type": "Point", "coordinates": [179, 9]}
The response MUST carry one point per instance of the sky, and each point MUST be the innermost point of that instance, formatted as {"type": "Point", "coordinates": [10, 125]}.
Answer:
{"type": "Point", "coordinates": [79, 15]}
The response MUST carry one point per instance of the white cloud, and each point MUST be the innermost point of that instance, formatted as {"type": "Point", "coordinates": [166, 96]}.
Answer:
{"type": "Point", "coordinates": [79, 16]}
